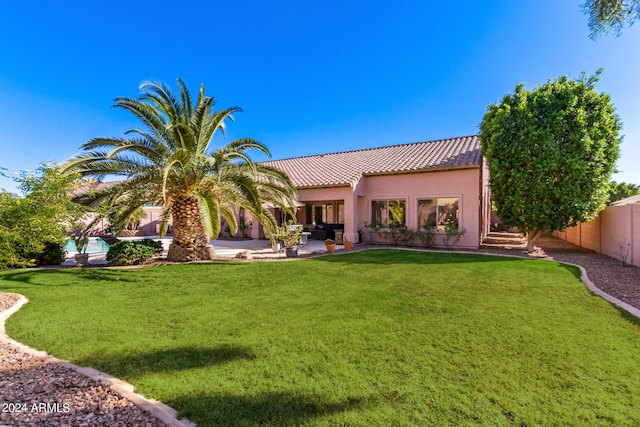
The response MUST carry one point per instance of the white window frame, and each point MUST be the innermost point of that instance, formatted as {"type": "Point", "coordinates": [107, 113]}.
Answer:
{"type": "Point", "coordinates": [389, 199]}
{"type": "Point", "coordinates": [438, 227]}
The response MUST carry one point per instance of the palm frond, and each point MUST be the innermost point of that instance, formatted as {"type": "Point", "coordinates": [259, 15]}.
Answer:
{"type": "Point", "coordinates": [210, 212]}
{"type": "Point", "coordinates": [185, 97]}
{"type": "Point", "coordinates": [216, 122]}
{"type": "Point", "coordinates": [183, 134]}
{"type": "Point", "coordinates": [160, 95]}
{"type": "Point", "coordinates": [151, 117]}
{"type": "Point", "coordinates": [164, 223]}
{"type": "Point", "coordinates": [229, 215]}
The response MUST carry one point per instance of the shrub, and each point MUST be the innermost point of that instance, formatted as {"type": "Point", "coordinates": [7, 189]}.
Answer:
{"type": "Point", "coordinates": [427, 236]}
{"type": "Point", "coordinates": [52, 254]}
{"type": "Point", "coordinates": [132, 252]}
{"type": "Point", "coordinates": [452, 235]}
{"type": "Point", "coordinates": [155, 244]}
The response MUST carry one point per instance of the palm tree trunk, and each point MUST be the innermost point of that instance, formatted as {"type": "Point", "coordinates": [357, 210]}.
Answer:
{"type": "Point", "coordinates": [190, 240]}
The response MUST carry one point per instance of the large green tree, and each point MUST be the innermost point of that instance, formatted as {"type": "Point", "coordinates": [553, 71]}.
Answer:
{"type": "Point", "coordinates": [171, 161]}
{"type": "Point", "coordinates": [551, 152]}
{"type": "Point", "coordinates": [610, 16]}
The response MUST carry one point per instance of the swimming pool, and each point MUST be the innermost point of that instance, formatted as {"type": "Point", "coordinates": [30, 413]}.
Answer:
{"type": "Point", "coordinates": [96, 244]}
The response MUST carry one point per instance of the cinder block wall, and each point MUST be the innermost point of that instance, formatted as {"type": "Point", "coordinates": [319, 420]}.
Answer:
{"type": "Point", "coordinates": [615, 228]}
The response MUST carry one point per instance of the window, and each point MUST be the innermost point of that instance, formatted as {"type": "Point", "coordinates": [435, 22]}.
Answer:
{"type": "Point", "coordinates": [316, 213]}
{"type": "Point", "coordinates": [340, 213]}
{"type": "Point", "coordinates": [324, 213]}
{"type": "Point", "coordinates": [438, 212]}
{"type": "Point", "coordinates": [388, 213]}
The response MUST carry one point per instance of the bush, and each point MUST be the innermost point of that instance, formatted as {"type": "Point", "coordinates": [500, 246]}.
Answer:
{"type": "Point", "coordinates": [452, 235]}
{"type": "Point", "coordinates": [155, 244]}
{"type": "Point", "coordinates": [52, 254]}
{"type": "Point", "coordinates": [132, 252]}
{"type": "Point", "coordinates": [427, 236]}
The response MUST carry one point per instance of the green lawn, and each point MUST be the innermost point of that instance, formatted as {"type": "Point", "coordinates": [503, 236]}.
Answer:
{"type": "Point", "coordinates": [370, 338]}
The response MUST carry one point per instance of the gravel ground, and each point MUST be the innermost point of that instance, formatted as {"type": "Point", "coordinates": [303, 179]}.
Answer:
{"type": "Point", "coordinates": [34, 392]}
{"type": "Point", "coordinates": [37, 393]}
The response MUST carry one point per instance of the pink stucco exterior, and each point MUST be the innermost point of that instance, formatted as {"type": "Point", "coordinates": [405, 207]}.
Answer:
{"type": "Point", "coordinates": [149, 224]}
{"type": "Point", "coordinates": [340, 191]}
{"type": "Point", "coordinates": [465, 184]}
{"type": "Point", "coordinates": [469, 185]}
{"type": "Point", "coordinates": [615, 228]}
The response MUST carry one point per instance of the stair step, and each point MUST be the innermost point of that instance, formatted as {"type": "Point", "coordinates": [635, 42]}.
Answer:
{"type": "Point", "coordinates": [497, 240]}
{"type": "Point", "coordinates": [503, 246]}
{"type": "Point", "coordinates": [503, 240]}
{"type": "Point", "coordinates": [505, 235]}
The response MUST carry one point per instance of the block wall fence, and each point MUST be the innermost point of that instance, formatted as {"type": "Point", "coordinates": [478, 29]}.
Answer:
{"type": "Point", "coordinates": [616, 228]}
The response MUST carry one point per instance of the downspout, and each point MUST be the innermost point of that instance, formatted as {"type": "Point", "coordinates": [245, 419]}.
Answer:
{"type": "Point", "coordinates": [355, 236]}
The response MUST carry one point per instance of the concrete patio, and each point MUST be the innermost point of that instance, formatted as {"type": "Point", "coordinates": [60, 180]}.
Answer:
{"type": "Point", "coordinates": [224, 249]}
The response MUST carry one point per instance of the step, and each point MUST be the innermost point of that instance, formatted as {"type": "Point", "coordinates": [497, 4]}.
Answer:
{"type": "Point", "coordinates": [505, 235]}
{"type": "Point", "coordinates": [502, 241]}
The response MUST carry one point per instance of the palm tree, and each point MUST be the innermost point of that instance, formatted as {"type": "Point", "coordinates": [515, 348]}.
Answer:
{"type": "Point", "coordinates": [171, 162]}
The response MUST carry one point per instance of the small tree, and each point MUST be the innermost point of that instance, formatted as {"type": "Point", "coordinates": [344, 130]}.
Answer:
{"type": "Point", "coordinates": [40, 219]}
{"type": "Point", "coordinates": [610, 16]}
{"type": "Point", "coordinates": [622, 190]}
{"type": "Point", "coordinates": [551, 152]}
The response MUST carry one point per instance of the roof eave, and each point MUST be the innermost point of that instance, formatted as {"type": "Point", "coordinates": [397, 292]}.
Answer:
{"type": "Point", "coordinates": [395, 172]}
{"type": "Point", "coordinates": [311, 187]}
{"type": "Point", "coordinates": [427, 170]}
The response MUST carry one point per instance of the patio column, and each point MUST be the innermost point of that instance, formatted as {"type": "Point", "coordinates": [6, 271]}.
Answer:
{"type": "Point", "coordinates": [351, 218]}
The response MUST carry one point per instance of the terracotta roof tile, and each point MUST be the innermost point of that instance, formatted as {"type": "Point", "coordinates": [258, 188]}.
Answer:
{"type": "Point", "coordinates": [347, 168]}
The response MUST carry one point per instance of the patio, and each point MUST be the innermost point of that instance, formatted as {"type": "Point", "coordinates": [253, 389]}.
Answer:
{"type": "Point", "coordinates": [225, 250]}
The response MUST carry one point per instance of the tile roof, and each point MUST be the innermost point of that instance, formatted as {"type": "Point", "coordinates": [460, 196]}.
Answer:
{"type": "Point", "coordinates": [347, 168]}
{"type": "Point", "coordinates": [93, 185]}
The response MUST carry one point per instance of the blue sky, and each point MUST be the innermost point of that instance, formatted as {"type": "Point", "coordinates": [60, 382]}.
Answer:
{"type": "Point", "coordinates": [312, 77]}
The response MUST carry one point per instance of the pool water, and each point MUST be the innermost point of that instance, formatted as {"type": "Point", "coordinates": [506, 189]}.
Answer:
{"type": "Point", "coordinates": [96, 244]}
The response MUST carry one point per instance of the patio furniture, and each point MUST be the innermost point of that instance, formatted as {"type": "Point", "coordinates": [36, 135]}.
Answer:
{"type": "Point", "coordinates": [326, 231]}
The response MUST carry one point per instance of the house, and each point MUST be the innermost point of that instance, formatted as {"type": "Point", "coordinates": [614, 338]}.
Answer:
{"type": "Point", "coordinates": [414, 185]}
{"type": "Point", "coordinates": [409, 185]}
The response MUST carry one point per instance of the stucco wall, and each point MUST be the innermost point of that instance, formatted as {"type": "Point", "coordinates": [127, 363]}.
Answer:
{"type": "Point", "coordinates": [149, 223]}
{"type": "Point", "coordinates": [590, 234]}
{"type": "Point", "coordinates": [573, 235]}
{"type": "Point", "coordinates": [464, 184]}
{"type": "Point", "coordinates": [615, 228]}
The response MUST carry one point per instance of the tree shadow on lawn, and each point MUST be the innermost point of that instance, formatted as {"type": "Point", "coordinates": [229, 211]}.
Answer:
{"type": "Point", "coordinates": [269, 408]}
{"type": "Point", "coordinates": [54, 278]}
{"type": "Point", "coordinates": [170, 360]}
